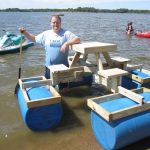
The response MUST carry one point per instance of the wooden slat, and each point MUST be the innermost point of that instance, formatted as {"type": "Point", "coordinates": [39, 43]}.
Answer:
{"type": "Point", "coordinates": [36, 83]}
{"type": "Point", "coordinates": [69, 71]}
{"type": "Point", "coordinates": [33, 78]}
{"type": "Point", "coordinates": [108, 59]}
{"type": "Point", "coordinates": [93, 47]}
{"type": "Point", "coordinates": [146, 71]}
{"type": "Point", "coordinates": [134, 67]}
{"type": "Point", "coordinates": [131, 95]}
{"type": "Point", "coordinates": [139, 79]}
{"type": "Point", "coordinates": [75, 59]}
{"type": "Point", "coordinates": [59, 67]}
{"type": "Point", "coordinates": [120, 59]}
{"type": "Point", "coordinates": [43, 102]}
{"type": "Point", "coordinates": [129, 111]}
{"type": "Point", "coordinates": [63, 76]}
{"type": "Point", "coordinates": [99, 61]}
{"type": "Point", "coordinates": [26, 98]}
{"type": "Point", "coordinates": [98, 109]}
{"type": "Point", "coordinates": [105, 98]}
{"type": "Point", "coordinates": [115, 72]}
{"type": "Point", "coordinates": [77, 74]}
{"type": "Point", "coordinates": [54, 92]}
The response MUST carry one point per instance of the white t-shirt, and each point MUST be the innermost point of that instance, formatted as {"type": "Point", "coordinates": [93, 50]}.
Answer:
{"type": "Point", "coordinates": [52, 43]}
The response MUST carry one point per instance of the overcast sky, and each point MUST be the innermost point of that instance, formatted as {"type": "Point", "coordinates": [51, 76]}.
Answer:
{"type": "Point", "coordinates": [101, 4]}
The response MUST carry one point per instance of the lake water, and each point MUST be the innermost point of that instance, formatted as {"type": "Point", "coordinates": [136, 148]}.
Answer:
{"type": "Point", "coordinates": [74, 132]}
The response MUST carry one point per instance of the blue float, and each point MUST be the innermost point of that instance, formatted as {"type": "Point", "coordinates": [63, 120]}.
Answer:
{"type": "Point", "coordinates": [39, 104]}
{"type": "Point", "coordinates": [130, 84]}
{"type": "Point", "coordinates": [120, 132]}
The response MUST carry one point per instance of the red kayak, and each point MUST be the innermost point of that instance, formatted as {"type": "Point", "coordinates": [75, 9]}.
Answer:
{"type": "Point", "coordinates": [143, 34]}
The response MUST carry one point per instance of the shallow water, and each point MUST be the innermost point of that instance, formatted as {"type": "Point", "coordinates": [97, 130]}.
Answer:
{"type": "Point", "coordinates": [74, 132]}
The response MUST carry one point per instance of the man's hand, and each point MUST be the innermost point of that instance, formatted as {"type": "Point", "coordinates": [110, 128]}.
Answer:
{"type": "Point", "coordinates": [64, 47]}
{"type": "Point", "coordinates": [22, 29]}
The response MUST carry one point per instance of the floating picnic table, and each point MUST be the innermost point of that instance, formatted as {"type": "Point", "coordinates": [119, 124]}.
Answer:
{"type": "Point", "coordinates": [99, 49]}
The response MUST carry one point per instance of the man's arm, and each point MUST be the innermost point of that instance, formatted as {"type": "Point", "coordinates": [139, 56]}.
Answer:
{"type": "Point", "coordinates": [68, 43]}
{"type": "Point", "coordinates": [73, 41]}
{"type": "Point", "coordinates": [28, 35]}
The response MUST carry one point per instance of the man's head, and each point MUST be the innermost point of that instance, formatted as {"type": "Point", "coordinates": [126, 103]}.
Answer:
{"type": "Point", "coordinates": [56, 23]}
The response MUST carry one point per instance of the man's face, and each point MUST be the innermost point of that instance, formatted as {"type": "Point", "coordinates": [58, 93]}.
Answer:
{"type": "Point", "coordinates": [56, 24]}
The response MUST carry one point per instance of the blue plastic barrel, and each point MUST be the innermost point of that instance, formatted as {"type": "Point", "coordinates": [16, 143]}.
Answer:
{"type": "Point", "coordinates": [130, 84]}
{"type": "Point", "coordinates": [122, 132]}
{"type": "Point", "coordinates": [42, 117]}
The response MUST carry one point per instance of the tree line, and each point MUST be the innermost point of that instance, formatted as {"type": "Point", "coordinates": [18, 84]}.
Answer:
{"type": "Point", "coordinates": [79, 9]}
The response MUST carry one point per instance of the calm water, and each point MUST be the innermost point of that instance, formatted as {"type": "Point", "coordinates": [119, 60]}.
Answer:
{"type": "Point", "coordinates": [75, 131]}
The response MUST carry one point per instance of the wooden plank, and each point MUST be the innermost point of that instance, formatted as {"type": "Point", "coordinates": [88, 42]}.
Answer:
{"type": "Point", "coordinates": [99, 62]}
{"type": "Point", "coordinates": [146, 71]}
{"type": "Point", "coordinates": [105, 98]}
{"type": "Point", "coordinates": [98, 109]}
{"type": "Point", "coordinates": [120, 62]}
{"type": "Point", "coordinates": [26, 98]}
{"type": "Point", "coordinates": [120, 59]}
{"type": "Point", "coordinates": [36, 83]}
{"type": "Point", "coordinates": [33, 78]}
{"type": "Point", "coordinates": [75, 59]}
{"type": "Point", "coordinates": [77, 74]}
{"type": "Point", "coordinates": [93, 47]}
{"type": "Point", "coordinates": [129, 111]}
{"type": "Point", "coordinates": [115, 82]}
{"type": "Point", "coordinates": [56, 81]}
{"type": "Point", "coordinates": [69, 71]}
{"type": "Point", "coordinates": [71, 74]}
{"type": "Point", "coordinates": [43, 102]}
{"type": "Point", "coordinates": [139, 79]}
{"type": "Point", "coordinates": [108, 59]}
{"type": "Point", "coordinates": [131, 95]}
{"type": "Point", "coordinates": [59, 67]}
{"type": "Point", "coordinates": [88, 69]}
{"type": "Point", "coordinates": [54, 92]}
{"type": "Point", "coordinates": [115, 72]}
{"type": "Point", "coordinates": [134, 67]}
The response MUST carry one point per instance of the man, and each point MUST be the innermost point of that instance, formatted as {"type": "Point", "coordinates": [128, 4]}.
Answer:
{"type": "Point", "coordinates": [56, 42]}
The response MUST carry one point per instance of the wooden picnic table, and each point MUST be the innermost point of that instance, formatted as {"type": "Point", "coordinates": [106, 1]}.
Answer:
{"type": "Point", "coordinates": [98, 48]}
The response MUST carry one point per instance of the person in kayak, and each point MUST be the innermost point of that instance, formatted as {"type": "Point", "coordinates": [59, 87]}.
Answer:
{"type": "Point", "coordinates": [129, 28]}
{"type": "Point", "coordinates": [56, 42]}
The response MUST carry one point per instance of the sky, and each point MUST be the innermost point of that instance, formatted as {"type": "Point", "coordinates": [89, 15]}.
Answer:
{"type": "Point", "coordinates": [64, 4]}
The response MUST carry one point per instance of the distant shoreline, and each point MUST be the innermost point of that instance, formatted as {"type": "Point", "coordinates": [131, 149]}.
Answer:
{"type": "Point", "coordinates": [79, 9]}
